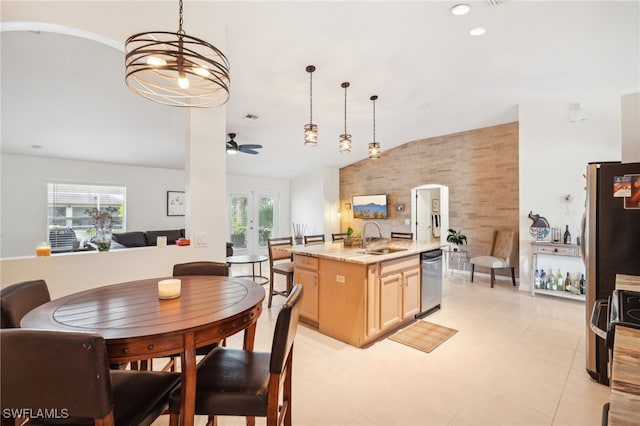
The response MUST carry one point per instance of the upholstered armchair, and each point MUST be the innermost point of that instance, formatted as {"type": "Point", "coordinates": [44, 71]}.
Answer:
{"type": "Point", "coordinates": [503, 254]}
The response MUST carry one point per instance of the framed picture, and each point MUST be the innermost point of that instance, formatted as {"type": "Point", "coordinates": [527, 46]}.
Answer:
{"type": "Point", "coordinates": [175, 203]}
{"type": "Point", "coordinates": [435, 205]}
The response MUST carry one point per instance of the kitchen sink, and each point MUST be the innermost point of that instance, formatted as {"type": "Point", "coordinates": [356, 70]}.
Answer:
{"type": "Point", "coordinates": [381, 250]}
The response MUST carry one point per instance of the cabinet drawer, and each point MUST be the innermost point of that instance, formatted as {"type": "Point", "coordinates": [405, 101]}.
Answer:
{"type": "Point", "coordinates": [558, 250]}
{"type": "Point", "coordinates": [399, 265]}
{"type": "Point", "coordinates": [306, 262]}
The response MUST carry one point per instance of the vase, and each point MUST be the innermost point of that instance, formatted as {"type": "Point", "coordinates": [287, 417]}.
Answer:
{"type": "Point", "coordinates": [298, 240]}
{"type": "Point", "coordinates": [103, 236]}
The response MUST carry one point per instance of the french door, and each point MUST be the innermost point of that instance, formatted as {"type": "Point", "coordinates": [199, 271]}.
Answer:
{"type": "Point", "coordinates": [252, 220]}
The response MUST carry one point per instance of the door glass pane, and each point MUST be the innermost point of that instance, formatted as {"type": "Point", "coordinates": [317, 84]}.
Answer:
{"type": "Point", "coordinates": [239, 214]}
{"type": "Point", "coordinates": [265, 220]}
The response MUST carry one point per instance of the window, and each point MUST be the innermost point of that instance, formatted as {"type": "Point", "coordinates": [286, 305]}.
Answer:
{"type": "Point", "coordinates": [67, 204]}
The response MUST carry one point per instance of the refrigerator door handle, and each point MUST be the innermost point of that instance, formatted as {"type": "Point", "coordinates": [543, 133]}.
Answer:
{"type": "Point", "coordinates": [595, 318]}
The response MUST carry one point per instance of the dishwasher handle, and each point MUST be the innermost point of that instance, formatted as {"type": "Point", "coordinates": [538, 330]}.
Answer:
{"type": "Point", "coordinates": [432, 259]}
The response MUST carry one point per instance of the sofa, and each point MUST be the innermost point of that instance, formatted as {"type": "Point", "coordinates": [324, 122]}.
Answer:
{"type": "Point", "coordinates": [150, 238]}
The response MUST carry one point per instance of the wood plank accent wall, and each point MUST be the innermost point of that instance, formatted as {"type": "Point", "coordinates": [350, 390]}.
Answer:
{"type": "Point", "coordinates": [480, 167]}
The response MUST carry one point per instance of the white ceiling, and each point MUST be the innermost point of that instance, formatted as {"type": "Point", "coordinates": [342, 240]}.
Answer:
{"type": "Point", "coordinates": [431, 76]}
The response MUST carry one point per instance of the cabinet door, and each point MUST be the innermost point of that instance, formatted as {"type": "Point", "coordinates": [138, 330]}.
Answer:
{"type": "Point", "coordinates": [309, 303]}
{"type": "Point", "coordinates": [411, 292]}
{"type": "Point", "coordinates": [390, 300]}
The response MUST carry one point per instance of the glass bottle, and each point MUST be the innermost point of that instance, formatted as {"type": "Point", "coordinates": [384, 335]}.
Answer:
{"type": "Point", "coordinates": [536, 279]}
{"type": "Point", "coordinates": [566, 238]}
{"type": "Point", "coordinates": [551, 281]}
{"type": "Point", "coordinates": [543, 279]}
{"type": "Point", "coordinates": [567, 284]}
{"type": "Point", "coordinates": [560, 280]}
{"type": "Point", "coordinates": [582, 284]}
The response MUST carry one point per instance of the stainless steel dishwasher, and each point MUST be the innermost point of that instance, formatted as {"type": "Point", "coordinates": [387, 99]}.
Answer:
{"type": "Point", "coordinates": [431, 282]}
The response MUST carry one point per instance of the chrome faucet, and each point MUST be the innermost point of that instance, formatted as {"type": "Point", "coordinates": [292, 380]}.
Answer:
{"type": "Point", "coordinates": [364, 235]}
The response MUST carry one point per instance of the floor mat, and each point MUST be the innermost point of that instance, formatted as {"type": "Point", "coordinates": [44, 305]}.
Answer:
{"type": "Point", "coordinates": [423, 335]}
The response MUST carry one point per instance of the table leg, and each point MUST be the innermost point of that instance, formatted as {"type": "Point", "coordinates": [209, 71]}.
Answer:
{"type": "Point", "coordinates": [250, 336]}
{"type": "Point", "coordinates": [253, 271]}
{"type": "Point", "coordinates": [188, 381]}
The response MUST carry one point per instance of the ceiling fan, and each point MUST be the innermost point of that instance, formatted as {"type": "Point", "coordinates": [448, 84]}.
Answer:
{"type": "Point", "coordinates": [233, 147]}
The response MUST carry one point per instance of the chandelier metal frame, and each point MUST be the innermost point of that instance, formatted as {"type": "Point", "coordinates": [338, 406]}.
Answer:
{"type": "Point", "coordinates": [177, 69]}
{"type": "Point", "coordinates": [310, 130]}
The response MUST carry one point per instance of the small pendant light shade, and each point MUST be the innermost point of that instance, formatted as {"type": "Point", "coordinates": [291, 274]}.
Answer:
{"type": "Point", "coordinates": [310, 130]}
{"type": "Point", "coordinates": [176, 69]}
{"type": "Point", "coordinates": [374, 147]}
{"type": "Point", "coordinates": [345, 138]}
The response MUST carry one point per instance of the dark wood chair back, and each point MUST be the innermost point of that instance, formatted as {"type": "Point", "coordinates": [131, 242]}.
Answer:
{"type": "Point", "coordinates": [404, 235]}
{"type": "Point", "coordinates": [70, 371]}
{"type": "Point", "coordinates": [18, 299]}
{"type": "Point", "coordinates": [314, 239]}
{"type": "Point", "coordinates": [200, 268]}
{"type": "Point", "coordinates": [339, 236]}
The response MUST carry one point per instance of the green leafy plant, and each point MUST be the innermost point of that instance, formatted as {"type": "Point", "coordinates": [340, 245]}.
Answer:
{"type": "Point", "coordinates": [456, 237]}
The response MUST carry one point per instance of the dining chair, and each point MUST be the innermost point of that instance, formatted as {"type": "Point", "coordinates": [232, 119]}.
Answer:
{"type": "Point", "coordinates": [339, 236]}
{"type": "Point", "coordinates": [18, 299]}
{"type": "Point", "coordinates": [237, 382]}
{"type": "Point", "coordinates": [503, 254]}
{"type": "Point", "coordinates": [67, 373]}
{"type": "Point", "coordinates": [314, 239]}
{"type": "Point", "coordinates": [403, 235]}
{"type": "Point", "coordinates": [280, 262]}
{"type": "Point", "coordinates": [200, 268]}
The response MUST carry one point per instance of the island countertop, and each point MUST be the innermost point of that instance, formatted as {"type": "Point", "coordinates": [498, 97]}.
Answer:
{"type": "Point", "coordinates": [377, 251]}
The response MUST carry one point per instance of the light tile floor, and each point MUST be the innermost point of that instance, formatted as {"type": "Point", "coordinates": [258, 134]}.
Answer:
{"type": "Point", "coordinates": [516, 360]}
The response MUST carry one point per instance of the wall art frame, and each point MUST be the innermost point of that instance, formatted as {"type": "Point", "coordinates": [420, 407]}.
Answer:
{"type": "Point", "coordinates": [176, 203]}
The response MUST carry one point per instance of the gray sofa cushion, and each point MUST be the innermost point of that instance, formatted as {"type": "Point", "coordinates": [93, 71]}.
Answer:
{"type": "Point", "coordinates": [130, 239]}
{"type": "Point", "coordinates": [152, 236]}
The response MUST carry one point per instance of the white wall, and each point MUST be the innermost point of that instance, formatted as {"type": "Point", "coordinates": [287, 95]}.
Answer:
{"type": "Point", "coordinates": [24, 196]}
{"type": "Point", "coordinates": [315, 201]}
{"type": "Point", "coordinates": [630, 105]}
{"type": "Point", "coordinates": [553, 154]}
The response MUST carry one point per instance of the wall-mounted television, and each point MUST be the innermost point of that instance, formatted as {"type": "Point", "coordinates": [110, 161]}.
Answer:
{"type": "Point", "coordinates": [370, 206]}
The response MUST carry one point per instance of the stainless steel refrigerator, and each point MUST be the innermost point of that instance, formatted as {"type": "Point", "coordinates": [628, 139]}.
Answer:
{"type": "Point", "coordinates": [610, 244]}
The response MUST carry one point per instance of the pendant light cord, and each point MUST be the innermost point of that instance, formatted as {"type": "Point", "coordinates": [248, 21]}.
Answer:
{"type": "Point", "coordinates": [311, 97]}
{"type": "Point", "coordinates": [374, 120]}
{"type": "Point", "coordinates": [345, 109]}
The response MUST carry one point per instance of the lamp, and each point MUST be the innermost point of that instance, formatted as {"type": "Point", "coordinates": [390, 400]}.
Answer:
{"type": "Point", "coordinates": [176, 69]}
{"type": "Point", "coordinates": [345, 138]}
{"type": "Point", "coordinates": [374, 147]}
{"type": "Point", "coordinates": [310, 130]}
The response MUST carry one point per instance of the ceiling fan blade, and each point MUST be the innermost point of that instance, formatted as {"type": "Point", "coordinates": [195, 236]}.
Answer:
{"type": "Point", "coordinates": [248, 151]}
{"type": "Point", "coordinates": [251, 146]}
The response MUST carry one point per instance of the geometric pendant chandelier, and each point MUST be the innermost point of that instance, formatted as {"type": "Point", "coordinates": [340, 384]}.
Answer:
{"type": "Point", "coordinates": [374, 147]}
{"type": "Point", "coordinates": [344, 146]}
{"type": "Point", "coordinates": [310, 129]}
{"type": "Point", "coordinates": [176, 69]}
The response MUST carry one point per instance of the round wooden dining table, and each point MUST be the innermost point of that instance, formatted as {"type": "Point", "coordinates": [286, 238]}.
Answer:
{"type": "Point", "coordinates": [137, 325]}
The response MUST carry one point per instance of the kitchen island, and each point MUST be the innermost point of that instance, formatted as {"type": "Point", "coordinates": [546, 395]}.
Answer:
{"type": "Point", "coordinates": [359, 295]}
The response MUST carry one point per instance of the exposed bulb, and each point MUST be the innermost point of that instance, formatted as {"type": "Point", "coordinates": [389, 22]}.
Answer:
{"type": "Point", "coordinates": [156, 61]}
{"type": "Point", "coordinates": [183, 81]}
{"type": "Point", "coordinates": [201, 71]}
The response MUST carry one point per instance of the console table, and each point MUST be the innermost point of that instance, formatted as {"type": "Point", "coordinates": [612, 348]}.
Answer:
{"type": "Point", "coordinates": [560, 252]}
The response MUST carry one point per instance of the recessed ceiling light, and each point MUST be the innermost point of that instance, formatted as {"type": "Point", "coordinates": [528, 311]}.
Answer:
{"type": "Point", "coordinates": [251, 117]}
{"type": "Point", "coordinates": [36, 146]}
{"type": "Point", "coordinates": [477, 31]}
{"type": "Point", "coordinates": [460, 9]}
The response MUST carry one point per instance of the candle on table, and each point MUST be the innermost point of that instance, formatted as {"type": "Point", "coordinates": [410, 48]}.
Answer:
{"type": "Point", "coordinates": [169, 289]}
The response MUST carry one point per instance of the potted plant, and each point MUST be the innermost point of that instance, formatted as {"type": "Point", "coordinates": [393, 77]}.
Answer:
{"type": "Point", "coordinates": [103, 221]}
{"type": "Point", "coordinates": [456, 238]}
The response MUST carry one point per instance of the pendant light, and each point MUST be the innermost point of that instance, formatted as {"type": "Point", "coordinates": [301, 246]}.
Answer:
{"type": "Point", "coordinates": [176, 69]}
{"type": "Point", "coordinates": [310, 130]}
{"type": "Point", "coordinates": [345, 138]}
{"type": "Point", "coordinates": [374, 147]}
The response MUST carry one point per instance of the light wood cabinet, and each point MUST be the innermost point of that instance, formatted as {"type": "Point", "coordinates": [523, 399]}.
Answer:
{"type": "Point", "coordinates": [306, 274]}
{"type": "Point", "coordinates": [358, 303]}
